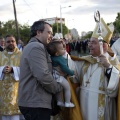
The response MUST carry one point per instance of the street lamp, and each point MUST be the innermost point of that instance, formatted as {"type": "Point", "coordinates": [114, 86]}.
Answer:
{"type": "Point", "coordinates": [61, 16]}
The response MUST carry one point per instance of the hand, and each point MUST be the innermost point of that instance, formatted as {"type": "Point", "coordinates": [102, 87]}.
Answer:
{"type": "Point", "coordinates": [59, 71]}
{"type": "Point", "coordinates": [7, 69]}
{"type": "Point", "coordinates": [104, 61]}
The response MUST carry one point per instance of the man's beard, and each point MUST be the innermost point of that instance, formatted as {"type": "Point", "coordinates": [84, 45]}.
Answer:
{"type": "Point", "coordinates": [10, 48]}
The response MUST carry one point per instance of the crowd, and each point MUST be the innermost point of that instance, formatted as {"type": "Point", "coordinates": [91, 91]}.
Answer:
{"type": "Point", "coordinates": [31, 77]}
{"type": "Point", "coordinates": [77, 47]}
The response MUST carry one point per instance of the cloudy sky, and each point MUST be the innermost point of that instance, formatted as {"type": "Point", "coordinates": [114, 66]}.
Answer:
{"type": "Point", "coordinates": [80, 15]}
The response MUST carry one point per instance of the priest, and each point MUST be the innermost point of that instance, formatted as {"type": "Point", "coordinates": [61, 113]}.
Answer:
{"type": "Point", "coordinates": [9, 78]}
{"type": "Point", "coordinates": [98, 78]}
{"type": "Point", "coordinates": [95, 90]}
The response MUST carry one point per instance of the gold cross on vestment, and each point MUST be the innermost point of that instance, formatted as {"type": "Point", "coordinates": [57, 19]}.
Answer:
{"type": "Point", "coordinates": [87, 82]}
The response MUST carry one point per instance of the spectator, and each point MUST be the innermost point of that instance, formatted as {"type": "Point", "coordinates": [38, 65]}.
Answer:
{"type": "Point", "coordinates": [116, 48]}
{"type": "Point", "coordinates": [98, 78]}
{"type": "Point", "coordinates": [20, 45]}
{"type": "Point", "coordinates": [2, 44]}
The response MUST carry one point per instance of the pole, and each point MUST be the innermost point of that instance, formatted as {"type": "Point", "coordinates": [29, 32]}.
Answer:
{"type": "Point", "coordinates": [57, 23]}
{"type": "Point", "coordinates": [16, 23]}
{"type": "Point", "coordinates": [61, 18]}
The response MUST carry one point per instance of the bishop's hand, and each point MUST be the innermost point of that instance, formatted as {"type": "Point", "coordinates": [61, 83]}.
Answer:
{"type": "Point", "coordinates": [104, 61]}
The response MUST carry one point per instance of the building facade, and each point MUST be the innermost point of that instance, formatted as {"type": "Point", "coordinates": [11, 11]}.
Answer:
{"type": "Point", "coordinates": [54, 20]}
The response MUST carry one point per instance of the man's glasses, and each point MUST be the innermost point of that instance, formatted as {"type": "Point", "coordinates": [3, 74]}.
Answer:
{"type": "Point", "coordinates": [91, 42]}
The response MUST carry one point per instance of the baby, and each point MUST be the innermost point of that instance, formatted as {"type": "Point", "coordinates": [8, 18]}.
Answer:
{"type": "Point", "coordinates": [56, 49]}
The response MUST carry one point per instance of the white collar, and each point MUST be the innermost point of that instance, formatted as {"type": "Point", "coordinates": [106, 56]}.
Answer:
{"type": "Point", "coordinates": [10, 53]}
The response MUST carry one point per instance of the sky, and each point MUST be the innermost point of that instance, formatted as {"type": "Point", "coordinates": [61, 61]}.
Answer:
{"type": "Point", "coordinates": [80, 15]}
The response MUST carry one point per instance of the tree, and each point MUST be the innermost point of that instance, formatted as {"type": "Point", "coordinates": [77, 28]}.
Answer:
{"type": "Point", "coordinates": [57, 28]}
{"type": "Point", "coordinates": [117, 24]}
{"type": "Point", "coordinates": [10, 28]}
{"type": "Point", "coordinates": [25, 32]}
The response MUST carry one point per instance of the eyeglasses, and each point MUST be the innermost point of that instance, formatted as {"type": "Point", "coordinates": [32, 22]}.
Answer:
{"type": "Point", "coordinates": [92, 42]}
{"type": "Point", "coordinates": [12, 41]}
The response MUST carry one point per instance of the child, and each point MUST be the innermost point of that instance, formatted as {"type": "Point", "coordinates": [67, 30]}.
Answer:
{"type": "Point", "coordinates": [56, 49]}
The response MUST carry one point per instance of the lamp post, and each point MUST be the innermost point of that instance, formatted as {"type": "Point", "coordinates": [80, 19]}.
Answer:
{"type": "Point", "coordinates": [61, 16]}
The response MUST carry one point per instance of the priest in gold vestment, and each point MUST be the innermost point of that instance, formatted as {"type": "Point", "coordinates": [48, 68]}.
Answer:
{"type": "Point", "coordinates": [9, 77]}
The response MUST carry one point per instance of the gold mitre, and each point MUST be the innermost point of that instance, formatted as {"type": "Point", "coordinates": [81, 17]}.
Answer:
{"type": "Point", "coordinates": [106, 32]}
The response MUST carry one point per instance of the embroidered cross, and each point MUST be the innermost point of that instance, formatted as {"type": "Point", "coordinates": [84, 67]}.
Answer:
{"type": "Point", "coordinates": [87, 82]}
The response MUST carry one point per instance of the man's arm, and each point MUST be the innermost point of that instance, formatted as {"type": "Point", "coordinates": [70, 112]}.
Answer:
{"type": "Point", "coordinates": [39, 66]}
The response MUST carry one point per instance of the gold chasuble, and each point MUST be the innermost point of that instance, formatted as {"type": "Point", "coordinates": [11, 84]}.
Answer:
{"type": "Point", "coordinates": [8, 85]}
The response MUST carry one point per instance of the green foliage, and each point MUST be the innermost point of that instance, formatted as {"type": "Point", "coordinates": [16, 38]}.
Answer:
{"type": "Point", "coordinates": [10, 28]}
{"type": "Point", "coordinates": [24, 32]}
{"type": "Point", "coordinates": [57, 28]}
{"type": "Point", "coordinates": [117, 24]}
